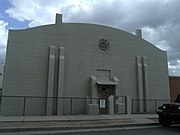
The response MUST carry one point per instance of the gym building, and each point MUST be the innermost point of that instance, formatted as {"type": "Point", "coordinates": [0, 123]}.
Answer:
{"type": "Point", "coordinates": [93, 65]}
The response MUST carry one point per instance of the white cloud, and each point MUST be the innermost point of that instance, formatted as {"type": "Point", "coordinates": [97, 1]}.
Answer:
{"type": "Point", "coordinates": [42, 11]}
{"type": "Point", "coordinates": [37, 11]}
{"type": "Point", "coordinates": [163, 45]}
{"type": "Point", "coordinates": [174, 69]}
{"type": "Point", "coordinates": [3, 33]}
{"type": "Point", "coordinates": [159, 20]}
{"type": "Point", "coordinates": [150, 34]}
{"type": "Point", "coordinates": [3, 39]}
{"type": "Point", "coordinates": [154, 36]}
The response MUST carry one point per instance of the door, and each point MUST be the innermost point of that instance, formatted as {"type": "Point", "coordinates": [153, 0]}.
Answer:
{"type": "Point", "coordinates": [103, 99]}
{"type": "Point", "coordinates": [104, 91]}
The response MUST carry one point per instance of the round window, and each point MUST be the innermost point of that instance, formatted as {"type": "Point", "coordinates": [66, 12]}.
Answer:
{"type": "Point", "coordinates": [103, 45]}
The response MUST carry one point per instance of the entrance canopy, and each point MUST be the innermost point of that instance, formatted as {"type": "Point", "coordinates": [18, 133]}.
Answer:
{"type": "Point", "coordinates": [113, 81]}
{"type": "Point", "coordinates": [106, 82]}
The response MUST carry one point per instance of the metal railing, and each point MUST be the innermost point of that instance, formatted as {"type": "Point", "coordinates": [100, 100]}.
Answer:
{"type": "Point", "coordinates": [37, 106]}
{"type": "Point", "coordinates": [148, 105]}
{"type": "Point", "coordinates": [33, 105]}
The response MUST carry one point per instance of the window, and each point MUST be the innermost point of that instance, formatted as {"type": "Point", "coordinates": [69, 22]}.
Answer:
{"type": "Point", "coordinates": [103, 45]}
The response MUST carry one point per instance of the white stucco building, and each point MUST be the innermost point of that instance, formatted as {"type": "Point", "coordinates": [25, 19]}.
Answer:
{"type": "Point", "coordinates": [81, 60]}
{"type": "Point", "coordinates": [1, 75]}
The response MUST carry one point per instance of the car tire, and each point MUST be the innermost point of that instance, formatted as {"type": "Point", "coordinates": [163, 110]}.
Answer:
{"type": "Point", "coordinates": [164, 121]}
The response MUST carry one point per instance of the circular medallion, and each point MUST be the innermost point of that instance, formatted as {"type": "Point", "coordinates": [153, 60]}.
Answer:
{"type": "Point", "coordinates": [103, 45]}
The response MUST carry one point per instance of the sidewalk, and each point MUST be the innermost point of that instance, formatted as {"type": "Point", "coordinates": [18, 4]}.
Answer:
{"type": "Point", "coordinates": [30, 123]}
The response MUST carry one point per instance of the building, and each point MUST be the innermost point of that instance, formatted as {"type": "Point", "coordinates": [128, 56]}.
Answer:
{"type": "Point", "coordinates": [1, 80]}
{"type": "Point", "coordinates": [174, 84]}
{"type": "Point", "coordinates": [1, 77]}
{"type": "Point", "coordinates": [83, 61]}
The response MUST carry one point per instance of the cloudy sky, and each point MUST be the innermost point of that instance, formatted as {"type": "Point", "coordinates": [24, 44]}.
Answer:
{"type": "Point", "coordinates": [158, 19]}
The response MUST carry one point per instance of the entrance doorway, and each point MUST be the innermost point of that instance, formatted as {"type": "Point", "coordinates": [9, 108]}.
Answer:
{"type": "Point", "coordinates": [104, 92]}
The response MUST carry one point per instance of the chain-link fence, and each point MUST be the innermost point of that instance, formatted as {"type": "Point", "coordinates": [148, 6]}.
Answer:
{"type": "Point", "coordinates": [148, 105]}
{"type": "Point", "coordinates": [37, 106]}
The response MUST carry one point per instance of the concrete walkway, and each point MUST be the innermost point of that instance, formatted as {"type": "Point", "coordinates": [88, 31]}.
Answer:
{"type": "Point", "coordinates": [31, 123]}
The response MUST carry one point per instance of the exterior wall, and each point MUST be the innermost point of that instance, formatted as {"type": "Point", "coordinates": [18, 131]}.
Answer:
{"type": "Point", "coordinates": [174, 83]}
{"type": "Point", "coordinates": [27, 63]}
{"type": "Point", "coordinates": [1, 77]}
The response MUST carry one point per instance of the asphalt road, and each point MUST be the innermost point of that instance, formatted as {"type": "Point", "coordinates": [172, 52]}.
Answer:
{"type": "Point", "coordinates": [174, 130]}
{"type": "Point", "coordinates": [144, 130]}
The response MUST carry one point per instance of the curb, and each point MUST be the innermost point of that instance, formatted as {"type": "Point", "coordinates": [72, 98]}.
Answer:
{"type": "Point", "coordinates": [49, 128]}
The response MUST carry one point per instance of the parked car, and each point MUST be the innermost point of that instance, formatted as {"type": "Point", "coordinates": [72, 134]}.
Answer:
{"type": "Point", "coordinates": [169, 113]}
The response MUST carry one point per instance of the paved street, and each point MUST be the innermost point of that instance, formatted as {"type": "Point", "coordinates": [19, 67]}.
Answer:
{"type": "Point", "coordinates": [175, 130]}
{"type": "Point", "coordinates": [135, 130]}
{"type": "Point", "coordinates": [27, 125]}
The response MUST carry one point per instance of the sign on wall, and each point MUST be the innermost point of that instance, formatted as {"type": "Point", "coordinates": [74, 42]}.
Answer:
{"type": "Point", "coordinates": [102, 103]}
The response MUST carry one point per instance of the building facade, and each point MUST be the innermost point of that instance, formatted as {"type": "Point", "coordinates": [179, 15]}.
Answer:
{"type": "Point", "coordinates": [82, 60]}
{"type": "Point", "coordinates": [1, 77]}
{"type": "Point", "coordinates": [174, 84]}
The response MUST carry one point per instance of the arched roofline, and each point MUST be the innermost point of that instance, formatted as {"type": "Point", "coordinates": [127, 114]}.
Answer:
{"type": "Point", "coordinates": [90, 24]}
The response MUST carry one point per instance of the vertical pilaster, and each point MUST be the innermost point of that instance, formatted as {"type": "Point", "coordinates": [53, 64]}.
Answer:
{"type": "Point", "coordinates": [93, 89]}
{"type": "Point", "coordinates": [61, 80]}
{"type": "Point", "coordinates": [139, 84]}
{"type": "Point", "coordinates": [111, 105]}
{"type": "Point", "coordinates": [51, 64]}
{"type": "Point", "coordinates": [93, 107]}
{"type": "Point", "coordinates": [145, 81]}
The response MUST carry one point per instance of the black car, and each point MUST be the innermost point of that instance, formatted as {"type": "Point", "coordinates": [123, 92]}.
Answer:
{"type": "Point", "coordinates": [169, 113]}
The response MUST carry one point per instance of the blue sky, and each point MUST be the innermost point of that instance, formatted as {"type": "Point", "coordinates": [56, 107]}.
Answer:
{"type": "Point", "coordinates": [12, 22]}
{"type": "Point", "coordinates": [158, 19]}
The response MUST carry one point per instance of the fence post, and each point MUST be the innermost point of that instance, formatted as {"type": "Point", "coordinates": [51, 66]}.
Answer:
{"type": "Point", "coordinates": [71, 106]}
{"type": "Point", "coordinates": [132, 107]}
{"type": "Point", "coordinates": [125, 105]}
{"type": "Point", "coordinates": [155, 106]}
{"type": "Point", "coordinates": [24, 106]}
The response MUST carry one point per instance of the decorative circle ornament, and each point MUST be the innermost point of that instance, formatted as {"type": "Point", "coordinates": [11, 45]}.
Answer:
{"type": "Point", "coordinates": [103, 45]}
